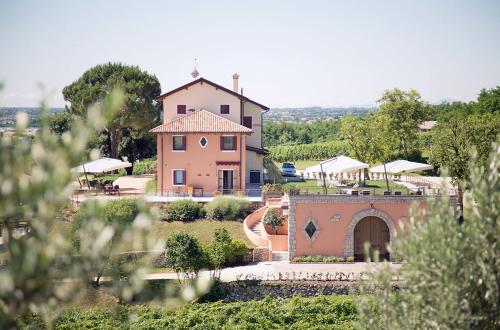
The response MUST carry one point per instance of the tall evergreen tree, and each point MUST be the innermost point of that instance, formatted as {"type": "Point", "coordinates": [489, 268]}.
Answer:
{"type": "Point", "coordinates": [139, 112]}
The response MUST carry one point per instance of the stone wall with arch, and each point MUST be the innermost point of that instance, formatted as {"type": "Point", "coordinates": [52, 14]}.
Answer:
{"type": "Point", "coordinates": [369, 212]}
{"type": "Point", "coordinates": [336, 217]}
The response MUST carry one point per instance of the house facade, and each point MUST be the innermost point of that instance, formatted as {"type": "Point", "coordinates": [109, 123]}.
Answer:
{"type": "Point", "coordinates": [210, 141]}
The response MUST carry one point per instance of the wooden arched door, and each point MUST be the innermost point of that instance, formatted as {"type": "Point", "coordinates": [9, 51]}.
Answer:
{"type": "Point", "coordinates": [375, 231]}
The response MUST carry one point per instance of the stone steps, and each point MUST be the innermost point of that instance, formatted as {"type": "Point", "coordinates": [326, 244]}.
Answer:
{"type": "Point", "coordinates": [257, 228]}
{"type": "Point", "coordinates": [280, 256]}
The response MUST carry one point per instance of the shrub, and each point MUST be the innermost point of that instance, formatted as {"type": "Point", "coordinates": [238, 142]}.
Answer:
{"type": "Point", "coordinates": [292, 189]}
{"type": "Point", "coordinates": [322, 259]}
{"type": "Point", "coordinates": [223, 250]}
{"type": "Point", "coordinates": [273, 188]}
{"type": "Point", "coordinates": [120, 212]}
{"type": "Point", "coordinates": [145, 166]}
{"type": "Point", "coordinates": [184, 254]}
{"type": "Point", "coordinates": [317, 259]}
{"type": "Point", "coordinates": [184, 210]}
{"type": "Point", "coordinates": [237, 251]}
{"type": "Point", "coordinates": [227, 208]}
{"type": "Point", "coordinates": [274, 219]}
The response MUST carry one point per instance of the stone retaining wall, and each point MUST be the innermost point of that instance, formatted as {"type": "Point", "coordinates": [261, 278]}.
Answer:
{"type": "Point", "coordinates": [255, 290]}
{"type": "Point", "coordinates": [258, 254]}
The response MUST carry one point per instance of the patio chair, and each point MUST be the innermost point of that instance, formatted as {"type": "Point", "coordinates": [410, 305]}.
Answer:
{"type": "Point", "coordinates": [354, 193]}
{"type": "Point", "coordinates": [398, 193]}
{"type": "Point", "coordinates": [116, 189]}
{"type": "Point", "coordinates": [386, 193]}
{"type": "Point", "coordinates": [107, 189]}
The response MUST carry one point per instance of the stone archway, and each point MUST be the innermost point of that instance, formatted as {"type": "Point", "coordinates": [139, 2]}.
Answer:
{"type": "Point", "coordinates": [349, 238]}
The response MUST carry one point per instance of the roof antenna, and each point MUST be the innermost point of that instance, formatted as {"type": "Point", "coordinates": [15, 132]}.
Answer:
{"type": "Point", "coordinates": [195, 72]}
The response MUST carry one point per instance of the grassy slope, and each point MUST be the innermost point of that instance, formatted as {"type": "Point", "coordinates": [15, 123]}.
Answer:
{"type": "Point", "coordinates": [203, 229]}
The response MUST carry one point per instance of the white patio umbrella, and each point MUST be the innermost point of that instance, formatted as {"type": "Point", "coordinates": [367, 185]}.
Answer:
{"type": "Point", "coordinates": [401, 166]}
{"type": "Point", "coordinates": [337, 164]}
{"type": "Point", "coordinates": [101, 165]}
{"type": "Point", "coordinates": [343, 164]}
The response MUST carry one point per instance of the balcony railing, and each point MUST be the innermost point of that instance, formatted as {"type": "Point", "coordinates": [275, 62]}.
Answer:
{"type": "Point", "coordinates": [361, 191]}
{"type": "Point", "coordinates": [254, 192]}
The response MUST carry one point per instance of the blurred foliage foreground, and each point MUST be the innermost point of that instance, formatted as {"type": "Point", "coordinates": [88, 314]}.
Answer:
{"type": "Point", "coordinates": [450, 278]}
{"type": "Point", "coordinates": [40, 272]}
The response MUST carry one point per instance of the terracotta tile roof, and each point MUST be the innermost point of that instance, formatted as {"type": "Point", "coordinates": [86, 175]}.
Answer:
{"type": "Point", "coordinates": [217, 86]}
{"type": "Point", "coordinates": [201, 121]}
{"type": "Point", "coordinates": [261, 151]}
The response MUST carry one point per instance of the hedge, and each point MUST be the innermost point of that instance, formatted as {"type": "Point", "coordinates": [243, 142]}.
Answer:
{"type": "Point", "coordinates": [331, 312]}
{"type": "Point", "coordinates": [313, 151]}
{"type": "Point", "coordinates": [184, 210]}
{"type": "Point", "coordinates": [228, 208]}
{"type": "Point", "coordinates": [322, 259]}
{"type": "Point", "coordinates": [144, 166]}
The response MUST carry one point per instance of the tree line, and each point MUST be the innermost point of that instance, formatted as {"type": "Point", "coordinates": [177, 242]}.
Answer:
{"type": "Point", "coordinates": [275, 134]}
{"type": "Point", "coordinates": [392, 132]}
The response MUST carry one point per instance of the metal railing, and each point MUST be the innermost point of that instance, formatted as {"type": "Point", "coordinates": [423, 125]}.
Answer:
{"type": "Point", "coordinates": [254, 192]}
{"type": "Point", "coordinates": [362, 191]}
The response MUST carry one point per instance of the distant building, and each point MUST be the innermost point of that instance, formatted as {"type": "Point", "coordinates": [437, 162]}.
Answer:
{"type": "Point", "coordinates": [426, 125]}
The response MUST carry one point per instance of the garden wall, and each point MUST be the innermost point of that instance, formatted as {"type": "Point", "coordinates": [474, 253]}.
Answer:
{"type": "Point", "coordinates": [256, 290]}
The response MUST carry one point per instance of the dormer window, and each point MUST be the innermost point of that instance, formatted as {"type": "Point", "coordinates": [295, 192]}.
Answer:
{"type": "Point", "coordinates": [224, 109]}
{"type": "Point", "coordinates": [181, 109]}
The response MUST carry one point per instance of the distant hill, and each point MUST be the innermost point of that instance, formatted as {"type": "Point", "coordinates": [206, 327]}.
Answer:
{"type": "Point", "coordinates": [8, 115]}
{"type": "Point", "coordinates": [309, 114]}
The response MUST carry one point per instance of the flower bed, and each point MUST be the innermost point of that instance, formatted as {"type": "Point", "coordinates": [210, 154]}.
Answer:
{"type": "Point", "coordinates": [322, 259]}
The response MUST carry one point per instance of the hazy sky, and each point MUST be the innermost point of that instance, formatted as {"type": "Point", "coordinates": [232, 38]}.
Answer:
{"type": "Point", "coordinates": [288, 53]}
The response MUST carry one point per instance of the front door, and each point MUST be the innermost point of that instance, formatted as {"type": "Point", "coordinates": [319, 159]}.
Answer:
{"type": "Point", "coordinates": [375, 231]}
{"type": "Point", "coordinates": [226, 178]}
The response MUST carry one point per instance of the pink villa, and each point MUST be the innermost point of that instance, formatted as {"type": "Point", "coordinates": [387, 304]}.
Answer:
{"type": "Point", "coordinates": [210, 141]}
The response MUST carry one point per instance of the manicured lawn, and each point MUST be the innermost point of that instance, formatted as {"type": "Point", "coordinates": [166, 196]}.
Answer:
{"type": "Point", "coordinates": [375, 186]}
{"type": "Point", "coordinates": [203, 229]}
{"type": "Point", "coordinates": [302, 164]}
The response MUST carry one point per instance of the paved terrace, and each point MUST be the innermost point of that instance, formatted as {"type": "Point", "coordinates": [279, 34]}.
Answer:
{"type": "Point", "coordinates": [275, 270]}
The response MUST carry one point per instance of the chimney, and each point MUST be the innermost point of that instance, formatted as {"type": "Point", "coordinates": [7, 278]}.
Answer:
{"type": "Point", "coordinates": [235, 82]}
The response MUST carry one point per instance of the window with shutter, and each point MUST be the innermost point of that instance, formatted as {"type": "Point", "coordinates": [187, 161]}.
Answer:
{"type": "Point", "coordinates": [179, 177]}
{"type": "Point", "coordinates": [228, 142]}
{"type": "Point", "coordinates": [179, 143]}
{"type": "Point", "coordinates": [248, 121]}
{"type": "Point", "coordinates": [181, 109]}
{"type": "Point", "coordinates": [224, 109]}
